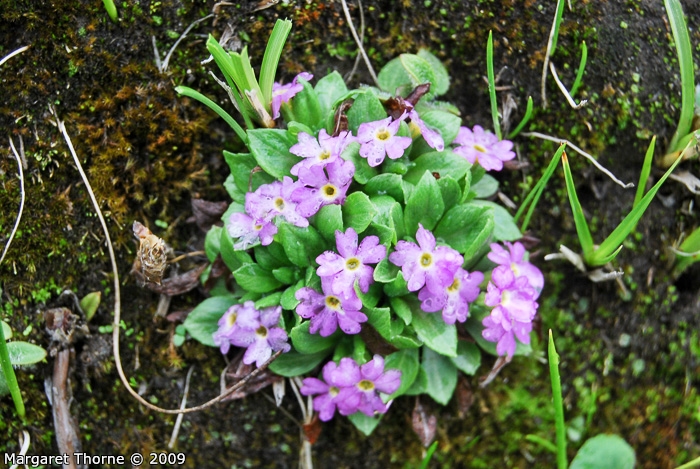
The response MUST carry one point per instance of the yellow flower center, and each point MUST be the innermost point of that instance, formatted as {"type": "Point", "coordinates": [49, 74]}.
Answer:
{"type": "Point", "coordinates": [332, 302]}
{"type": "Point", "coordinates": [231, 319]}
{"type": "Point", "coordinates": [426, 260]}
{"type": "Point", "coordinates": [279, 203]}
{"type": "Point", "coordinates": [333, 391]}
{"type": "Point", "coordinates": [454, 287]}
{"type": "Point", "coordinates": [329, 191]}
{"type": "Point", "coordinates": [324, 155]}
{"type": "Point", "coordinates": [479, 148]}
{"type": "Point", "coordinates": [261, 332]}
{"type": "Point", "coordinates": [383, 134]}
{"type": "Point", "coordinates": [365, 385]}
{"type": "Point", "coordinates": [353, 263]}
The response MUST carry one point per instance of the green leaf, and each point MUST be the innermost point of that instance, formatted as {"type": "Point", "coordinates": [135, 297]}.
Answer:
{"type": "Point", "coordinates": [402, 309]}
{"type": "Point", "coordinates": [253, 278]}
{"type": "Point", "coordinates": [6, 330]}
{"type": "Point", "coordinates": [268, 301]}
{"type": "Point", "coordinates": [445, 163]}
{"type": "Point", "coordinates": [306, 107]}
{"type": "Point", "coordinates": [405, 361]}
{"type": "Point", "coordinates": [365, 108]}
{"type": "Point", "coordinates": [363, 171]}
{"type": "Point", "coordinates": [364, 423]}
{"type": "Point", "coordinates": [450, 191]}
{"type": "Point", "coordinates": [425, 205]}
{"type": "Point", "coordinates": [89, 304]}
{"type": "Point", "coordinates": [505, 228]}
{"type": "Point", "coordinates": [433, 331]}
{"type": "Point", "coordinates": [486, 187]}
{"type": "Point", "coordinates": [190, 93]}
{"type": "Point", "coordinates": [442, 78]}
{"type": "Point", "coordinates": [358, 211]}
{"type": "Point", "coordinates": [380, 319]}
{"type": "Point", "coordinates": [288, 301]}
{"type": "Point", "coordinates": [444, 122]}
{"type": "Point", "coordinates": [242, 166]}
{"type": "Point", "coordinates": [273, 52]}
{"type": "Point", "coordinates": [396, 287]}
{"type": "Point", "coordinates": [270, 148]}
{"type": "Point", "coordinates": [468, 357]}
{"type": "Point", "coordinates": [293, 364]}
{"type": "Point", "coordinates": [212, 242]}
{"type": "Point", "coordinates": [307, 343]}
{"type": "Point", "coordinates": [604, 452]}
{"type": "Point", "coordinates": [385, 184]}
{"type": "Point", "coordinates": [441, 374]}
{"type": "Point", "coordinates": [466, 228]}
{"type": "Point", "coordinates": [328, 220]}
{"type": "Point", "coordinates": [302, 245]}
{"type": "Point", "coordinates": [404, 73]}
{"type": "Point", "coordinates": [329, 89]}
{"type": "Point", "coordinates": [24, 353]}
{"type": "Point", "coordinates": [286, 275]}
{"type": "Point", "coordinates": [385, 271]}
{"type": "Point", "coordinates": [232, 258]}
{"type": "Point", "coordinates": [203, 320]}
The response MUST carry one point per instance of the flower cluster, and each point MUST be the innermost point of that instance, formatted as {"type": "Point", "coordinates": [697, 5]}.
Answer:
{"type": "Point", "coordinates": [515, 285]}
{"type": "Point", "coordinates": [350, 388]}
{"type": "Point", "coordinates": [339, 304]}
{"type": "Point", "coordinates": [437, 272]}
{"type": "Point", "coordinates": [256, 331]}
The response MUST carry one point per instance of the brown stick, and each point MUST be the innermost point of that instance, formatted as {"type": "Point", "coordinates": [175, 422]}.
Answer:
{"type": "Point", "coordinates": [66, 432]}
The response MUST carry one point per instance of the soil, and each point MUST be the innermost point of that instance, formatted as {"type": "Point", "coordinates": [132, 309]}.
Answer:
{"type": "Point", "coordinates": [628, 357]}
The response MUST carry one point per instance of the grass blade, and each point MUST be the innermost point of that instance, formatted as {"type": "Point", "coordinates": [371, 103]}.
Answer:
{"type": "Point", "coordinates": [685, 60]}
{"type": "Point", "coordinates": [611, 243]}
{"type": "Point", "coordinates": [557, 402]}
{"type": "Point", "coordinates": [492, 86]}
{"type": "Point", "coordinates": [581, 68]}
{"type": "Point", "coordinates": [190, 93]}
{"type": "Point", "coordinates": [10, 378]}
{"type": "Point", "coordinates": [526, 119]}
{"type": "Point", "coordinates": [271, 59]}
{"type": "Point", "coordinates": [646, 169]}
{"type": "Point", "coordinates": [546, 444]}
{"type": "Point", "coordinates": [534, 196]}
{"type": "Point", "coordinates": [584, 233]}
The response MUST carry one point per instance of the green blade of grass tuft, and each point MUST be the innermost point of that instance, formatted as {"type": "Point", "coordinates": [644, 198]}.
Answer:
{"type": "Point", "coordinates": [492, 86]}
{"type": "Point", "coordinates": [525, 120]}
{"type": "Point", "coordinates": [190, 93]}
{"type": "Point", "coordinates": [646, 169]}
{"type": "Point", "coordinates": [546, 444]}
{"type": "Point", "coordinates": [557, 403]}
{"type": "Point", "coordinates": [428, 456]}
{"type": "Point", "coordinates": [581, 69]}
{"type": "Point", "coordinates": [534, 196]}
{"type": "Point", "coordinates": [10, 378]}
{"type": "Point", "coordinates": [271, 59]}
{"type": "Point", "coordinates": [685, 61]}
{"type": "Point", "coordinates": [689, 249]}
{"type": "Point", "coordinates": [584, 233]}
{"type": "Point", "coordinates": [612, 243]}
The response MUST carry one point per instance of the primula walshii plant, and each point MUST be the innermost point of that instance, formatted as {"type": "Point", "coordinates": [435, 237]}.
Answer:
{"type": "Point", "coordinates": [361, 216]}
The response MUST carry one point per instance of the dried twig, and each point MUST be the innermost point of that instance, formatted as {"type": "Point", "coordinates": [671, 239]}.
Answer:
{"type": "Point", "coordinates": [359, 43]}
{"type": "Point", "coordinates": [563, 89]}
{"type": "Point", "coordinates": [21, 201]}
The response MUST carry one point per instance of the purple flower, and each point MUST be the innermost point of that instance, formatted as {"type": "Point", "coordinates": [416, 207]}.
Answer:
{"type": "Point", "coordinates": [514, 309]}
{"type": "Point", "coordinates": [283, 93]}
{"type": "Point", "coordinates": [425, 264]}
{"type": "Point", "coordinates": [484, 148]}
{"type": "Point", "coordinates": [275, 199]}
{"type": "Point", "coordinates": [373, 380]}
{"type": "Point", "coordinates": [453, 300]}
{"type": "Point", "coordinates": [258, 334]}
{"type": "Point", "coordinates": [432, 137]}
{"type": "Point", "coordinates": [351, 262]}
{"type": "Point", "coordinates": [331, 394]}
{"type": "Point", "coordinates": [327, 311]}
{"type": "Point", "coordinates": [249, 230]}
{"type": "Point", "coordinates": [323, 186]}
{"type": "Point", "coordinates": [237, 317]}
{"type": "Point", "coordinates": [325, 150]}
{"type": "Point", "coordinates": [378, 139]}
{"type": "Point", "coordinates": [515, 259]}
